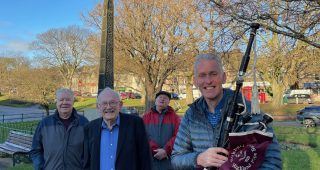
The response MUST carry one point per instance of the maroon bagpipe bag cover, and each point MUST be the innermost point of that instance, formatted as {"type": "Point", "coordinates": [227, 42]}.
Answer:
{"type": "Point", "coordinates": [247, 150]}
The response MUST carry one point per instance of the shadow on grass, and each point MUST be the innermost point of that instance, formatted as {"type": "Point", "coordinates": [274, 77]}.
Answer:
{"type": "Point", "coordinates": [22, 166]}
{"type": "Point", "coordinates": [314, 138]}
{"type": "Point", "coordinates": [16, 103]}
{"type": "Point", "coordinates": [300, 147]}
{"type": "Point", "coordinates": [298, 159]}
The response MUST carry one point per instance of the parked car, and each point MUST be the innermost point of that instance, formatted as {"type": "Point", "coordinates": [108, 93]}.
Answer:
{"type": "Point", "coordinates": [174, 96]}
{"type": "Point", "coordinates": [123, 95]}
{"type": "Point", "coordinates": [77, 93]}
{"type": "Point", "coordinates": [299, 99]}
{"type": "Point", "coordinates": [130, 95]}
{"type": "Point", "coordinates": [129, 110]}
{"type": "Point", "coordinates": [289, 92]}
{"type": "Point", "coordinates": [137, 95]}
{"type": "Point", "coordinates": [182, 96]}
{"type": "Point", "coordinates": [309, 116]}
{"type": "Point", "coordinates": [86, 94]}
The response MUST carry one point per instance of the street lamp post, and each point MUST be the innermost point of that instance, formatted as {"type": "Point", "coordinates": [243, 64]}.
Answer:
{"type": "Point", "coordinates": [106, 70]}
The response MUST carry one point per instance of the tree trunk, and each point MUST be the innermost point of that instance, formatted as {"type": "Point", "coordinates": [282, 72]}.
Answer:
{"type": "Point", "coordinates": [277, 90]}
{"type": "Point", "coordinates": [150, 94]}
{"type": "Point", "coordinates": [189, 90]}
{"type": "Point", "coordinates": [46, 108]}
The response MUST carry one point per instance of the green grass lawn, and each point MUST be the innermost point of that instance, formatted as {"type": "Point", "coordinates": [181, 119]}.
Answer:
{"type": "Point", "coordinates": [133, 102]}
{"type": "Point", "coordinates": [288, 109]}
{"type": "Point", "coordinates": [22, 166]}
{"type": "Point", "coordinates": [300, 147]}
{"type": "Point", "coordinates": [6, 101]}
{"type": "Point", "coordinates": [82, 103]}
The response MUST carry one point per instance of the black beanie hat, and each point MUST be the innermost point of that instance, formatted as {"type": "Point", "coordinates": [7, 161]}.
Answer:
{"type": "Point", "coordinates": [164, 93]}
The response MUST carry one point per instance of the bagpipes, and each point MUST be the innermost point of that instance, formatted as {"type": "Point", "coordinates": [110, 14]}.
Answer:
{"type": "Point", "coordinates": [246, 149]}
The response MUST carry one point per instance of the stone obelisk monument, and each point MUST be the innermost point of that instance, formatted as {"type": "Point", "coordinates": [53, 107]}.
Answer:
{"type": "Point", "coordinates": [106, 70]}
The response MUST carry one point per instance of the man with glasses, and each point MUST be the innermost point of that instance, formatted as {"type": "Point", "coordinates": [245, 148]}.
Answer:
{"type": "Point", "coordinates": [116, 140]}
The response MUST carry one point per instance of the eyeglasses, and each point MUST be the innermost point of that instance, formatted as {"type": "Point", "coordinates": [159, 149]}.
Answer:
{"type": "Point", "coordinates": [111, 104]}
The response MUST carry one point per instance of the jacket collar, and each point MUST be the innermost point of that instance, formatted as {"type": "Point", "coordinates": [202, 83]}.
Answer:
{"type": "Point", "coordinates": [74, 113]}
{"type": "Point", "coordinates": [199, 106]}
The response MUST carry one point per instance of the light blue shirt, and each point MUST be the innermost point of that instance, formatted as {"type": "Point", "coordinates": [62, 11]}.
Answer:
{"type": "Point", "coordinates": [108, 145]}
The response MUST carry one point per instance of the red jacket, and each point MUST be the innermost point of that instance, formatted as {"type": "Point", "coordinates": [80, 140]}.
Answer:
{"type": "Point", "coordinates": [161, 128]}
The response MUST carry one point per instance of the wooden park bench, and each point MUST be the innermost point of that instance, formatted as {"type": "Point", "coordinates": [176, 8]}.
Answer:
{"type": "Point", "coordinates": [18, 145]}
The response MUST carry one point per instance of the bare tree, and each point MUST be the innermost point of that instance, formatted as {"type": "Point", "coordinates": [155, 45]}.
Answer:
{"type": "Point", "coordinates": [39, 86]}
{"type": "Point", "coordinates": [282, 62]}
{"type": "Point", "coordinates": [26, 83]}
{"type": "Point", "coordinates": [10, 68]}
{"type": "Point", "coordinates": [298, 19]}
{"type": "Point", "coordinates": [155, 37]}
{"type": "Point", "coordinates": [66, 49]}
{"type": "Point", "coordinates": [152, 39]}
{"type": "Point", "coordinates": [7, 64]}
{"type": "Point", "coordinates": [285, 66]}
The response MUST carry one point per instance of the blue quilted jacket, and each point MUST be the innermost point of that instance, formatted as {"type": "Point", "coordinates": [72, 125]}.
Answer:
{"type": "Point", "coordinates": [196, 134]}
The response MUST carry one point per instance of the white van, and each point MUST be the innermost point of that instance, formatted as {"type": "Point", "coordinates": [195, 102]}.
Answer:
{"type": "Point", "coordinates": [196, 93]}
{"type": "Point", "coordinates": [289, 93]}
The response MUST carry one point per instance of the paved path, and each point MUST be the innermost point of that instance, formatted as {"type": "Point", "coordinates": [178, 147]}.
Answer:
{"type": "Point", "coordinates": [286, 123]}
{"type": "Point", "coordinates": [5, 163]}
{"type": "Point", "coordinates": [90, 113]}
{"type": "Point", "coordinates": [13, 114]}
{"type": "Point", "coordinates": [17, 110]}
{"type": "Point", "coordinates": [34, 112]}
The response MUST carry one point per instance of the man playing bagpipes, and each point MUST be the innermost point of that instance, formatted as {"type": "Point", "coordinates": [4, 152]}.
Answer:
{"type": "Point", "coordinates": [201, 143]}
